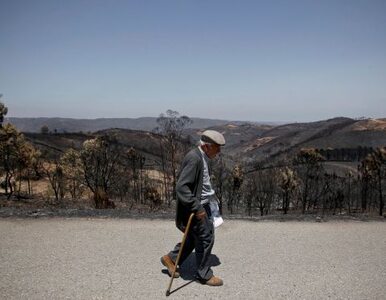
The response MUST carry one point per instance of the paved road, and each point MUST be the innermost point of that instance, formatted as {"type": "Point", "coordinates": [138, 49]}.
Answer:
{"type": "Point", "coordinates": [119, 259]}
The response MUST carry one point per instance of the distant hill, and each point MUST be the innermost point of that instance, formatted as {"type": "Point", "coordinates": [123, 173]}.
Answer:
{"type": "Point", "coordinates": [245, 142]}
{"type": "Point", "coordinates": [235, 133]}
{"type": "Point", "coordinates": [285, 140]}
{"type": "Point", "coordinates": [93, 125]}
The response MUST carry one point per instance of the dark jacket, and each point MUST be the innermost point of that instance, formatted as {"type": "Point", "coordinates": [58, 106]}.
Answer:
{"type": "Point", "coordinates": [189, 187]}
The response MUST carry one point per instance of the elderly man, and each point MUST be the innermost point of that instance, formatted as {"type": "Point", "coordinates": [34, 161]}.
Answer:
{"type": "Point", "coordinates": [194, 192]}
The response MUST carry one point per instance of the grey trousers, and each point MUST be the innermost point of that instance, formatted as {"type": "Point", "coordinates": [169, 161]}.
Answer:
{"type": "Point", "coordinates": [201, 239]}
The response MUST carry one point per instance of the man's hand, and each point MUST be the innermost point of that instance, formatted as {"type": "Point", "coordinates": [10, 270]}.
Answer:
{"type": "Point", "coordinates": [200, 215]}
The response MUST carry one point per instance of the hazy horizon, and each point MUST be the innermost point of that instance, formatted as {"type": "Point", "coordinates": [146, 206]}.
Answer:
{"type": "Point", "coordinates": [192, 117]}
{"type": "Point", "coordinates": [267, 122]}
{"type": "Point", "coordinates": [256, 61]}
{"type": "Point", "coordinates": [9, 115]}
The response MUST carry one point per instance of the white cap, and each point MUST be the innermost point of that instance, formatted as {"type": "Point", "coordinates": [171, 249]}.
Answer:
{"type": "Point", "coordinates": [213, 137]}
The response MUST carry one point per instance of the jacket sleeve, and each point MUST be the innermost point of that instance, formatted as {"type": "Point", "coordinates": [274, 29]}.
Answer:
{"type": "Point", "coordinates": [186, 185]}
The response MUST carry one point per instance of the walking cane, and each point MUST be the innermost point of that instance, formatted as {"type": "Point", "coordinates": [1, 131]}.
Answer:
{"type": "Point", "coordinates": [179, 253]}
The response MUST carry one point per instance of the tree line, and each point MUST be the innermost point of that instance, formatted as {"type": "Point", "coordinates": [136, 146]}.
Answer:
{"type": "Point", "coordinates": [103, 169]}
{"type": "Point", "coordinates": [304, 185]}
{"type": "Point", "coordinates": [106, 171]}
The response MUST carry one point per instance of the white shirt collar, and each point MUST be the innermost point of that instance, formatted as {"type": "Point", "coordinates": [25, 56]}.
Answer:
{"type": "Point", "coordinates": [203, 153]}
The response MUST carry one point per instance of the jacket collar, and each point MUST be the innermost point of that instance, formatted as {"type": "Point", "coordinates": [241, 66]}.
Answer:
{"type": "Point", "coordinates": [203, 153]}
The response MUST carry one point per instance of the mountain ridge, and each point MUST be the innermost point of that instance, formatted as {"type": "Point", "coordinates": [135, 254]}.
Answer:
{"type": "Point", "coordinates": [91, 125]}
{"type": "Point", "coordinates": [246, 143]}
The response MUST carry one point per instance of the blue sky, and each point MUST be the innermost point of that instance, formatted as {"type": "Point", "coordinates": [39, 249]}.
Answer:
{"type": "Point", "coordinates": [238, 60]}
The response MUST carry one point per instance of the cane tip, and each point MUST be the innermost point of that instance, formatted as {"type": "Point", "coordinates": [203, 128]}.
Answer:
{"type": "Point", "coordinates": [167, 293]}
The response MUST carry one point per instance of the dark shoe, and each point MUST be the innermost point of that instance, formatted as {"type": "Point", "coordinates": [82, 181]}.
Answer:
{"type": "Point", "coordinates": [213, 281]}
{"type": "Point", "coordinates": [169, 264]}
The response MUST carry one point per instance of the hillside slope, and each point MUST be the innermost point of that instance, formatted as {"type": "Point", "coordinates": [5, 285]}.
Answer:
{"type": "Point", "coordinates": [246, 142]}
{"type": "Point", "coordinates": [286, 140]}
{"type": "Point", "coordinates": [146, 143]}
{"type": "Point", "coordinates": [61, 125]}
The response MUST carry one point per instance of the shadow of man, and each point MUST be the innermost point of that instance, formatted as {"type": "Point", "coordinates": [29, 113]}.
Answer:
{"type": "Point", "coordinates": [188, 269]}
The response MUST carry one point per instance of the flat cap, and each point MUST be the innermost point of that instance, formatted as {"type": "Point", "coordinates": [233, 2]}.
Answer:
{"type": "Point", "coordinates": [213, 137]}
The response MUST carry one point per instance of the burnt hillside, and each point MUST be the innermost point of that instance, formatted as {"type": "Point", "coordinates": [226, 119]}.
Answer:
{"type": "Point", "coordinates": [148, 144]}
{"type": "Point", "coordinates": [276, 143]}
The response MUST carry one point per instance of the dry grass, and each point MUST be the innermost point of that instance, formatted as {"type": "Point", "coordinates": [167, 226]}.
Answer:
{"type": "Point", "coordinates": [39, 187]}
{"type": "Point", "coordinates": [370, 124]}
{"type": "Point", "coordinates": [154, 174]}
{"type": "Point", "coordinates": [258, 143]}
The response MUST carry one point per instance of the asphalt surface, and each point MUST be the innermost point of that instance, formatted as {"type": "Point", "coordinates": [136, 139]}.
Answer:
{"type": "Point", "coordinates": [58, 258]}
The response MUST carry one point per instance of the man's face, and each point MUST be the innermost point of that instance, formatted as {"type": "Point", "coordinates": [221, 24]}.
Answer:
{"type": "Point", "coordinates": [211, 150]}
